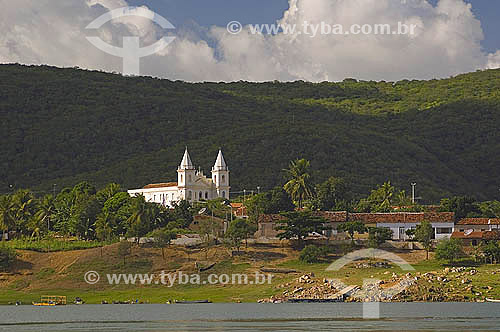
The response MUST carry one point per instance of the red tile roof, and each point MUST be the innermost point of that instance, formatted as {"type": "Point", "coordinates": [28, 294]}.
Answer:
{"type": "Point", "coordinates": [335, 216]}
{"type": "Point", "coordinates": [373, 218]}
{"type": "Point", "coordinates": [467, 235]}
{"type": "Point", "coordinates": [477, 235]}
{"type": "Point", "coordinates": [236, 205]}
{"type": "Point", "coordinates": [160, 185]}
{"type": "Point", "coordinates": [479, 221]}
{"type": "Point", "coordinates": [402, 217]}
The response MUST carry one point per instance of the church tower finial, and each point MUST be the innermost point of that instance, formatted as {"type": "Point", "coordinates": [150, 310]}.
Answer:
{"type": "Point", "coordinates": [186, 162]}
{"type": "Point", "coordinates": [220, 163]}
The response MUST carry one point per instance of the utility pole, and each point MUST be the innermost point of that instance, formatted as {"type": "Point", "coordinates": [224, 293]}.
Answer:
{"type": "Point", "coordinates": [413, 192]}
{"type": "Point", "coordinates": [258, 190]}
{"type": "Point", "coordinates": [54, 190]}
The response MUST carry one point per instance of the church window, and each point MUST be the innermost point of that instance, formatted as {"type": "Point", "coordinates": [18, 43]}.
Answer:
{"type": "Point", "coordinates": [190, 195]}
{"type": "Point", "coordinates": [223, 179]}
{"type": "Point", "coordinates": [201, 195]}
{"type": "Point", "coordinates": [181, 178]}
{"type": "Point", "coordinates": [215, 178]}
{"type": "Point", "coordinates": [190, 178]}
{"type": "Point", "coordinates": [224, 194]}
{"type": "Point", "coordinates": [206, 195]}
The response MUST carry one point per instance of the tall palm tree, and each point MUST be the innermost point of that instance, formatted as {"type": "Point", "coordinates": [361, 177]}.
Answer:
{"type": "Point", "coordinates": [298, 185]}
{"type": "Point", "coordinates": [140, 220]}
{"type": "Point", "coordinates": [7, 220]}
{"type": "Point", "coordinates": [105, 225]}
{"type": "Point", "coordinates": [46, 212]}
{"type": "Point", "coordinates": [24, 208]}
{"type": "Point", "coordinates": [387, 192]}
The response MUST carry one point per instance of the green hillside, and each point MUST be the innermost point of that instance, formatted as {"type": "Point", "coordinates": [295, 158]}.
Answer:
{"type": "Point", "coordinates": [60, 126]}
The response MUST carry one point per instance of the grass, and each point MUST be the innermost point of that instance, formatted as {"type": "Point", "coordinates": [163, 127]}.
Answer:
{"type": "Point", "coordinates": [20, 289]}
{"type": "Point", "coordinates": [52, 245]}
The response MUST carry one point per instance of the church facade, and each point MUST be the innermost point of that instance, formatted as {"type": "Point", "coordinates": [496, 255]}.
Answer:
{"type": "Point", "coordinates": [191, 185]}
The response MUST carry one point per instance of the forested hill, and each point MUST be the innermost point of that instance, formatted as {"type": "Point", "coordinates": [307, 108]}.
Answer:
{"type": "Point", "coordinates": [60, 126]}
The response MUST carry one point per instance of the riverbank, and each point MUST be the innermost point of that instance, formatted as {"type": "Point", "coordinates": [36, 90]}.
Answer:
{"type": "Point", "coordinates": [62, 273]}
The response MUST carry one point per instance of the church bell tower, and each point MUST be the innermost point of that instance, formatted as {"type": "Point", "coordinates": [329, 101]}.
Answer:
{"type": "Point", "coordinates": [220, 176]}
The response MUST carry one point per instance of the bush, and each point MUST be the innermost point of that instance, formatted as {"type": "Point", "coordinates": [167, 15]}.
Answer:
{"type": "Point", "coordinates": [449, 249]}
{"type": "Point", "coordinates": [312, 254]}
{"type": "Point", "coordinates": [7, 257]}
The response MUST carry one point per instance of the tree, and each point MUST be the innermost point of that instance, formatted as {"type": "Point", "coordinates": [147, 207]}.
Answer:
{"type": "Point", "coordinates": [449, 249]}
{"type": "Point", "coordinates": [299, 224]}
{"type": "Point", "coordinates": [490, 209]}
{"type": "Point", "coordinates": [24, 209]}
{"type": "Point", "coordinates": [312, 254]}
{"type": "Point", "coordinates": [239, 230]}
{"type": "Point", "coordinates": [378, 236]}
{"type": "Point", "coordinates": [6, 213]}
{"type": "Point", "coordinates": [278, 200]}
{"type": "Point", "coordinates": [462, 206]}
{"type": "Point", "coordinates": [424, 233]}
{"type": "Point", "coordinates": [332, 195]}
{"type": "Point", "coordinates": [139, 223]}
{"type": "Point", "coordinates": [298, 185]}
{"type": "Point", "coordinates": [124, 249]}
{"type": "Point", "coordinates": [380, 199]}
{"type": "Point", "coordinates": [162, 239]}
{"type": "Point", "coordinates": [46, 212]}
{"type": "Point", "coordinates": [119, 208]}
{"type": "Point", "coordinates": [108, 192]}
{"type": "Point", "coordinates": [85, 210]}
{"type": "Point", "coordinates": [256, 206]}
{"type": "Point", "coordinates": [402, 200]}
{"type": "Point", "coordinates": [492, 251]}
{"type": "Point", "coordinates": [208, 229]}
{"type": "Point", "coordinates": [183, 211]}
{"type": "Point", "coordinates": [352, 227]}
{"type": "Point", "coordinates": [105, 224]}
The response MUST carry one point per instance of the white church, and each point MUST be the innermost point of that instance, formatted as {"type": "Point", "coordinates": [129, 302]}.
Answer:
{"type": "Point", "coordinates": [191, 185]}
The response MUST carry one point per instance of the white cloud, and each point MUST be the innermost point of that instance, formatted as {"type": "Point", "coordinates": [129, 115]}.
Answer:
{"type": "Point", "coordinates": [447, 42]}
{"type": "Point", "coordinates": [494, 60]}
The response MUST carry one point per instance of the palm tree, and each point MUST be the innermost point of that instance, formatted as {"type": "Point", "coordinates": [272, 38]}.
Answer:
{"type": "Point", "coordinates": [298, 186]}
{"type": "Point", "coordinates": [24, 208]}
{"type": "Point", "coordinates": [105, 225]}
{"type": "Point", "coordinates": [140, 220]}
{"type": "Point", "coordinates": [46, 211]}
{"type": "Point", "coordinates": [6, 214]}
{"type": "Point", "coordinates": [386, 191]}
{"type": "Point", "coordinates": [109, 191]}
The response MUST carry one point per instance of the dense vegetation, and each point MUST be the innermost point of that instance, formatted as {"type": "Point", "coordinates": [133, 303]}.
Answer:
{"type": "Point", "coordinates": [63, 126]}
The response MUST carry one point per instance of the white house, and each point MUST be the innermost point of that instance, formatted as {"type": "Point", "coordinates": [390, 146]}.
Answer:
{"type": "Point", "coordinates": [191, 185]}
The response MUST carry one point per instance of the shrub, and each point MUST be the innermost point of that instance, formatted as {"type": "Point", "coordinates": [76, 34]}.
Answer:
{"type": "Point", "coordinates": [7, 257]}
{"type": "Point", "coordinates": [449, 249]}
{"type": "Point", "coordinates": [312, 253]}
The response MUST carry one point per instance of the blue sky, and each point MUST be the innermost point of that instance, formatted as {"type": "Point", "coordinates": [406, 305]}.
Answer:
{"type": "Point", "coordinates": [220, 12]}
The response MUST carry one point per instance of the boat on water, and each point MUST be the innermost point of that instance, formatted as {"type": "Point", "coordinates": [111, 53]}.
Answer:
{"type": "Point", "coordinates": [50, 300]}
{"type": "Point", "coordinates": [193, 302]}
{"type": "Point", "coordinates": [492, 300]}
{"type": "Point", "coordinates": [79, 301]}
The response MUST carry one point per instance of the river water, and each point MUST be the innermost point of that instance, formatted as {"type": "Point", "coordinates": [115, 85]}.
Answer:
{"type": "Point", "coordinates": [252, 317]}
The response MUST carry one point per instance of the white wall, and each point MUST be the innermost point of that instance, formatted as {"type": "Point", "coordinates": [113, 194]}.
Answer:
{"type": "Point", "coordinates": [399, 229]}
